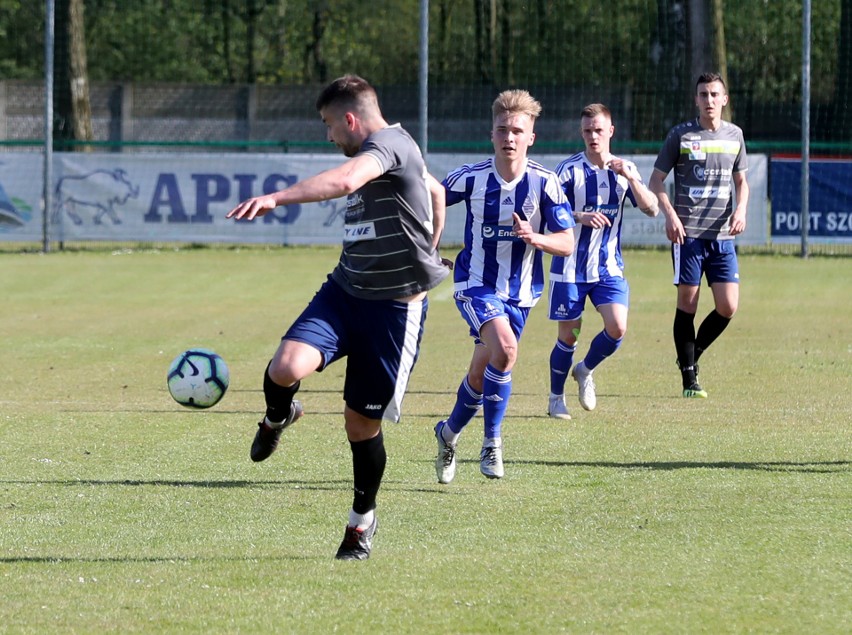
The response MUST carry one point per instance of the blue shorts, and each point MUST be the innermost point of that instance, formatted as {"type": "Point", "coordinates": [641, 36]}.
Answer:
{"type": "Point", "coordinates": [716, 259]}
{"type": "Point", "coordinates": [568, 299]}
{"type": "Point", "coordinates": [479, 305]}
{"type": "Point", "coordinates": [381, 338]}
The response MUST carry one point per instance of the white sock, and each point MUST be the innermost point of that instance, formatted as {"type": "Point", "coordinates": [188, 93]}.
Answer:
{"type": "Point", "coordinates": [496, 442]}
{"type": "Point", "coordinates": [273, 424]}
{"type": "Point", "coordinates": [361, 521]}
{"type": "Point", "coordinates": [448, 435]}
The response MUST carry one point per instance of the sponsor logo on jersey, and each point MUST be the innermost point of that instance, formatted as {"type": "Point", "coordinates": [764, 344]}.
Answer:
{"type": "Point", "coordinates": [610, 211]}
{"type": "Point", "coordinates": [359, 231]}
{"type": "Point", "coordinates": [498, 232]}
{"type": "Point", "coordinates": [696, 193]}
{"type": "Point", "coordinates": [508, 201]}
{"type": "Point", "coordinates": [354, 207]}
{"type": "Point", "coordinates": [703, 173]}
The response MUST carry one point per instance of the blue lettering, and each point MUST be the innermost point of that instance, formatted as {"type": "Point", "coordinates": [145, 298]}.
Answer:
{"type": "Point", "coordinates": [166, 193]}
{"type": "Point", "coordinates": [221, 191]}
{"type": "Point", "coordinates": [289, 213]}
{"type": "Point", "coordinates": [211, 188]}
{"type": "Point", "coordinates": [244, 185]}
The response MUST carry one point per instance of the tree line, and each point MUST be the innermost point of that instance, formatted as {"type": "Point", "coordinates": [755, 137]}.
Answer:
{"type": "Point", "coordinates": [655, 47]}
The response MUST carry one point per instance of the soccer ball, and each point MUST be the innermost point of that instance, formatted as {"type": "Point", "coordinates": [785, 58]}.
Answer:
{"type": "Point", "coordinates": [198, 378]}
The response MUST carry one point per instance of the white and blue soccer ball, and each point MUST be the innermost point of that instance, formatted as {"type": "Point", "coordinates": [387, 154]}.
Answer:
{"type": "Point", "coordinates": [198, 378]}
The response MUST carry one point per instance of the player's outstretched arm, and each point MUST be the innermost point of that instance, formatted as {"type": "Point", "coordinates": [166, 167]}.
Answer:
{"type": "Point", "coordinates": [334, 183]}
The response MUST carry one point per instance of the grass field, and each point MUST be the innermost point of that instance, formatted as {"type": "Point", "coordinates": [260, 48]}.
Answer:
{"type": "Point", "coordinates": [122, 512]}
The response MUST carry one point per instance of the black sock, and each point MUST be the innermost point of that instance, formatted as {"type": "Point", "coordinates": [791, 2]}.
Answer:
{"type": "Point", "coordinates": [278, 398]}
{"type": "Point", "coordinates": [368, 467]}
{"type": "Point", "coordinates": [684, 339]}
{"type": "Point", "coordinates": [710, 329]}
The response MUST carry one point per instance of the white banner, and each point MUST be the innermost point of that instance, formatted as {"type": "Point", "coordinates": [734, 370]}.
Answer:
{"type": "Point", "coordinates": [169, 197]}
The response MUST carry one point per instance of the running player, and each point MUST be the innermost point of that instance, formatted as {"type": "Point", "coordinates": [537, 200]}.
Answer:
{"type": "Point", "coordinates": [597, 184]}
{"type": "Point", "coordinates": [515, 211]}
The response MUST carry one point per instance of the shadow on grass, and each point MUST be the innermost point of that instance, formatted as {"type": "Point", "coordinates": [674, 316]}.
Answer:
{"type": "Point", "coordinates": [817, 467]}
{"type": "Point", "coordinates": [325, 486]}
{"type": "Point", "coordinates": [310, 485]}
{"type": "Point", "coordinates": [152, 559]}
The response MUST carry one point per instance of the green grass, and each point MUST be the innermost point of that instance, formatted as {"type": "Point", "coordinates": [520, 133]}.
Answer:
{"type": "Point", "coordinates": [122, 512]}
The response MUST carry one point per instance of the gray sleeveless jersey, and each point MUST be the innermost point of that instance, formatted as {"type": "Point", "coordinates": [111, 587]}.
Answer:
{"type": "Point", "coordinates": [387, 243]}
{"type": "Point", "coordinates": [704, 162]}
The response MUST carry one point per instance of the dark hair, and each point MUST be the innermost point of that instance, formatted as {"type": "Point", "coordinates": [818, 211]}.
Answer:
{"type": "Point", "coordinates": [706, 78]}
{"type": "Point", "coordinates": [349, 92]}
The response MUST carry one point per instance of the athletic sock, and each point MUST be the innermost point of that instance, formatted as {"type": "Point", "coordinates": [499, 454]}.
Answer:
{"type": "Point", "coordinates": [468, 403]}
{"type": "Point", "coordinates": [278, 398]}
{"type": "Point", "coordinates": [602, 346]}
{"type": "Point", "coordinates": [561, 358]}
{"type": "Point", "coordinates": [684, 339]}
{"type": "Point", "coordinates": [709, 330]}
{"type": "Point", "coordinates": [368, 466]}
{"type": "Point", "coordinates": [496, 390]}
{"type": "Point", "coordinates": [361, 521]}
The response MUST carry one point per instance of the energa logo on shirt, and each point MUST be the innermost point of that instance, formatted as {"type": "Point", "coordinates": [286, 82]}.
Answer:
{"type": "Point", "coordinates": [498, 232]}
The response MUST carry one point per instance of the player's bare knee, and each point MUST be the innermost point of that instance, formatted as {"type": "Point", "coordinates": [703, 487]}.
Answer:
{"type": "Point", "coordinates": [504, 358]}
{"type": "Point", "coordinates": [616, 331]}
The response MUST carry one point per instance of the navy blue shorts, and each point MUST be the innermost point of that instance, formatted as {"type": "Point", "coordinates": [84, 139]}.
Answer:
{"type": "Point", "coordinates": [381, 339]}
{"type": "Point", "coordinates": [568, 299]}
{"type": "Point", "coordinates": [716, 259]}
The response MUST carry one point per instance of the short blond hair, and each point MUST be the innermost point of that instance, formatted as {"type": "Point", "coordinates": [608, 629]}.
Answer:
{"type": "Point", "coordinates": [593, 110]}
{"type": "Point", "coordinates": [518, 102]}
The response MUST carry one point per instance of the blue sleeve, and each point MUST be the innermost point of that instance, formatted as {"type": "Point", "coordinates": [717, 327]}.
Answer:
{"type": "Point", "coordinates": [557, 210]}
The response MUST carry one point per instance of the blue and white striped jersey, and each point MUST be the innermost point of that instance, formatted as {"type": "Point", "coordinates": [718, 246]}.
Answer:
{"type": "Point", "coordinates": [597, 252]}
{"type": "Point", "coordinates": [493, 257]}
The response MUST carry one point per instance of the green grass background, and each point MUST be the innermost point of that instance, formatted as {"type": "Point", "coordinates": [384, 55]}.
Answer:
{"type": "Point", "coordinates": [122, 512]}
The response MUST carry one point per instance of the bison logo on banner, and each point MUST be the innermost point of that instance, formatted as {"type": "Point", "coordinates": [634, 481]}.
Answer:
{"type": "Point", "coordinates": [98, 193]}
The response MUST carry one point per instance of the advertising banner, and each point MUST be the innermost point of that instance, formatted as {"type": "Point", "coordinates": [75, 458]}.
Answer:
{"type": "Point", "coordinates": [829, 200]}
{"type": "Point", "coordinates": [21, 189]}
{"type": "Point", "coordinates": [182, 197]}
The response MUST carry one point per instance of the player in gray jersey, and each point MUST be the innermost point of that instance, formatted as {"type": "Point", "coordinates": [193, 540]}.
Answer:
{"type": "Point", "coordinates": [708, 156]}
{"type": "Point", "coordinates": [372, 308]}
